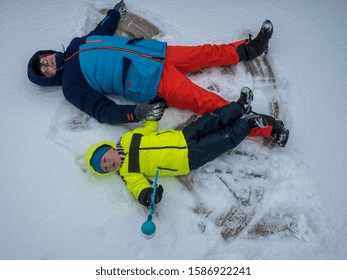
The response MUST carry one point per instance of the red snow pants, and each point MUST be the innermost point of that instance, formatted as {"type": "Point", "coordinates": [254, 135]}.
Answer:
{"type": "Point", "coordinates": [181, 92]}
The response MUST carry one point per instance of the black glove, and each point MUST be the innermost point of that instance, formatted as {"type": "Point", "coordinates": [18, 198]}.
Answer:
{"type": "Point", "coordinates": [121, 7]}
{"type": "Point", "coordinates": [145, 196]}
{"type": "Point", "coordinates": [153, 112]}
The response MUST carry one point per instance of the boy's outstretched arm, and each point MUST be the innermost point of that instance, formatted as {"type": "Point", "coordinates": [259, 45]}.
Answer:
{"type": "Point", "coordinates": [141, 188]}
{"type": "Point", "coordinates": [147, 128]}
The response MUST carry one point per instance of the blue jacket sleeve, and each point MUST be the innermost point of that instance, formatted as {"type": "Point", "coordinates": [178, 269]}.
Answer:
{"type": "Point", "coordinates": [98, 106]}
{"type": "Point", "coordinates": [108, 25]}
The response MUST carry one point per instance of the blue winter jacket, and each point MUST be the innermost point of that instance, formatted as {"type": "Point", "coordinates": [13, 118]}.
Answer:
{"type": "Point", "coordinates": [99, 64]}
{"type": "Point", "coordinates": [128, 67]}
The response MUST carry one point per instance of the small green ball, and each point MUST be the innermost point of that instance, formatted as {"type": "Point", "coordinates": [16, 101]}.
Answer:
{"type": "Point", "coordinates": [148, 229]}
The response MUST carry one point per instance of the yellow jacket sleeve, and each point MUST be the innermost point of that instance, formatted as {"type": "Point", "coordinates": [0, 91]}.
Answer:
{"type": "Point", "coordinates": [135, 182]}
{"type": "Point", "coordinates": [147, 128]}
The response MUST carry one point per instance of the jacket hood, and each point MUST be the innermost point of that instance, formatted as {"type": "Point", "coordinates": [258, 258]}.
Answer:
{"type": "Point", "coordinates": [90, 153]}
{"type": "Point", "coordinates": [37, 78]}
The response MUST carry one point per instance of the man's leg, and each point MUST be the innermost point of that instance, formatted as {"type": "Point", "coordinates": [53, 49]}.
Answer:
{"type": "Point", "coordinates": [193, 58]}
{"type": "Point", "coordinates": [180, 92]}
{"type": "Point", "coordinates": [272, 129]}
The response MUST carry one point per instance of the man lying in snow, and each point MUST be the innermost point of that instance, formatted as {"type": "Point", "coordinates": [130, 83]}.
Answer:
{"type": "Point", "coordinates": [147, 72]}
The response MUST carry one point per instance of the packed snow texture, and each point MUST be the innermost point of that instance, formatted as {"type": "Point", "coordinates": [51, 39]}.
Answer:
{"type": "Point", "coordinates": [255, 202]}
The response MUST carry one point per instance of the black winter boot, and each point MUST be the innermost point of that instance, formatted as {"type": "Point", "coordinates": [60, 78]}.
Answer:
{"type": "Point", "coordinates": [279, 133]}
{"type": "Point", "coordinates": [245, 99]}
{"type": "Point", "coordinates": [255, 120]}
{"type": "Point", "coordinates": [255, 47]}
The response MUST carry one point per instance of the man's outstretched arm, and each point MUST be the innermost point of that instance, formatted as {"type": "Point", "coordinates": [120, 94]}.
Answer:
{"type": "Point", "coordinates": [109, 24]}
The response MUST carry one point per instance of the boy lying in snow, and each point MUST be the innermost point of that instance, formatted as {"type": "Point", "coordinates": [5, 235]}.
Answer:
{"type": "Point", "coordinates": [139, 153]}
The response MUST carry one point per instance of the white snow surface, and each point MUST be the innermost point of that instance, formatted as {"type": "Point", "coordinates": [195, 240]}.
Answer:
{"type": "Point", "coordinates": [51, 208]}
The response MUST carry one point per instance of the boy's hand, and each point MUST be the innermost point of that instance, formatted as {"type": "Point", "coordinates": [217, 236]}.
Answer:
{"type": "Point", "coordinates": [145, 196]}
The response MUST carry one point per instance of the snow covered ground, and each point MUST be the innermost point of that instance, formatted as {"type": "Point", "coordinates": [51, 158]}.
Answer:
{"type": "Point", "coordinates": [50, 208]}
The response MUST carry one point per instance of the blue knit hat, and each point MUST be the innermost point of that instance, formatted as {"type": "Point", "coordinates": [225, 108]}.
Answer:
{"type": "Point", "coordinates": [96, 158]}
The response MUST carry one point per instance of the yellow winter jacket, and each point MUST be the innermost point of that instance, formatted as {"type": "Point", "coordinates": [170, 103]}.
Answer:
{"type": "Point", "coordinates": [147, 150]}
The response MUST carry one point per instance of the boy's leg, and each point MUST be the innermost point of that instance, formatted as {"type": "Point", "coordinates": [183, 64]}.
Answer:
{"type": "Point", "coordinates": [212, 122]}
{"type": "Point", "coordinates": [215, 144]}
{"type": "Point", "coordinates": [193, 58]}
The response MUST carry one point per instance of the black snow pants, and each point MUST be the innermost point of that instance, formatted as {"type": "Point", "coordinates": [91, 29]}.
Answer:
{"type": "Point", "coordinates": [215, 133]}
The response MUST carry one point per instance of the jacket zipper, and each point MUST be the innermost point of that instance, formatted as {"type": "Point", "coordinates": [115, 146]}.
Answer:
{"type": "Point", "coordinates": [156, 58]}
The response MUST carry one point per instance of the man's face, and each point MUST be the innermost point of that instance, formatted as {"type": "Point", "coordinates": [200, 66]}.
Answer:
{"type": "Point", "coordinates": [48, 65]}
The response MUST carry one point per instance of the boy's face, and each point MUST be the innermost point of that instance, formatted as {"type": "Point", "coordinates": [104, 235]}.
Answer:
{"type": "Point", "coordinates": [110, 161]}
